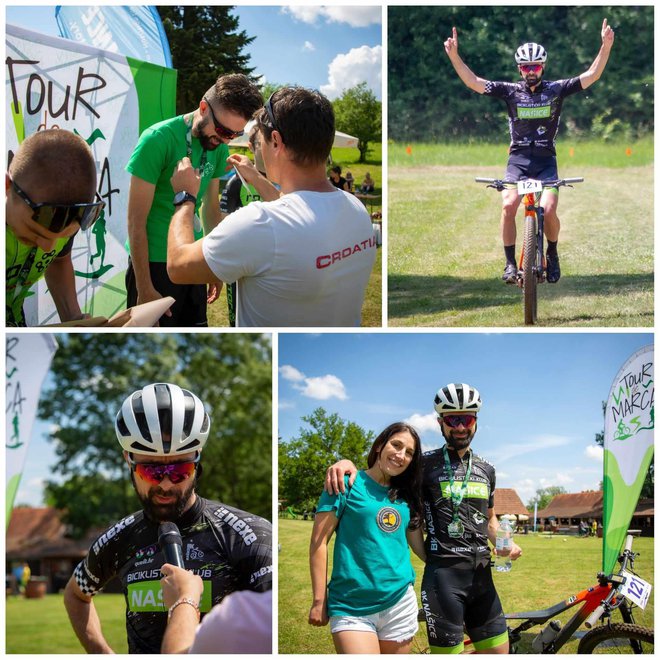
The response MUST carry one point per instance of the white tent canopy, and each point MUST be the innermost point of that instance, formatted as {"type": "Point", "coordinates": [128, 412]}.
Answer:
{"type": "Point", "coordinates": [341, 139]}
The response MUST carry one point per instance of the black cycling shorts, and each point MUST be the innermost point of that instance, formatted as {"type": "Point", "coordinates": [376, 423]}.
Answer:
{"type": "Point", "coordinates": [525, 166]}
{"type": "Point", "coordinates": [189, 307]}
{"type": "Point", "coordinates": [457, 595]}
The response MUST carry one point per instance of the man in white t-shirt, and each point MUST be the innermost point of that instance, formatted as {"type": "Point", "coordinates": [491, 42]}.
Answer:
{"type": "Point", "coordinates": [301, 260]}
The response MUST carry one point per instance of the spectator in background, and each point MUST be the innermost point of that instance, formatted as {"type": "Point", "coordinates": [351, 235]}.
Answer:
{"type": "Point", "coordinates": [368, 184]}
{"type": "Point", "coordinates": [350, 181]}
{"type": "Point", "coordinates": [337, 180]}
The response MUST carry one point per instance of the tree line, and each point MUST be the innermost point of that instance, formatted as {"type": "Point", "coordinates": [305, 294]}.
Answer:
{"type": "Point", "coordinates": [429, 103]}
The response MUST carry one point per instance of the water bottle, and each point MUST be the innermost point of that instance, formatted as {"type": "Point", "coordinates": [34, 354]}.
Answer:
{"type": "Point", "coordinates": [504, 542]}
{"type": "Point", "coordinates": [547, 635]}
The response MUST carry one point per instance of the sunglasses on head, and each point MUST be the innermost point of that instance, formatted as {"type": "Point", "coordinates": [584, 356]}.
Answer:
{"type": "Point", "coordinates": [531, 68]}
{"type": "Point", "coordinates": [453, 421]}
{"type": "Point", "coordinates": [57, 217]}
{"type": "Point", "coordinates": [222, 131]}
{"type": "Point", "coordinates": [154, 473]}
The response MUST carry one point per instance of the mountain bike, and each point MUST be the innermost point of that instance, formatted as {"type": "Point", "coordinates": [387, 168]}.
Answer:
{"type": "Point", "coordinates": [531, 266]}
{"type": "Point", "coordinates": [623, 591]}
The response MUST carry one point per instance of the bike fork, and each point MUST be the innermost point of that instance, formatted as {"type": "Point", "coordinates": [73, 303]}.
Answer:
{"type": "Point", "coordinates": [539, 244]}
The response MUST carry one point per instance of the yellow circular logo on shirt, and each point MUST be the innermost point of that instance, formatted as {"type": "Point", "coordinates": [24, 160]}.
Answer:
{"type": "Point", "coordinates": [388, 519]}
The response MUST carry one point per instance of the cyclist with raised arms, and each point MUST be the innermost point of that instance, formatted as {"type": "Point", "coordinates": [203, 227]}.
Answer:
{"type": "Point", "coordinates": [162, 430]}
{"type": "Point", "coordinates": [534, 108]}
{"type": "Point", "coordinates": [458, 492]}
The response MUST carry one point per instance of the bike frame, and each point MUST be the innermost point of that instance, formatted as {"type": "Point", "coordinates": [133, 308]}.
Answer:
{"type": "Point", "coordinates": [589, 599]}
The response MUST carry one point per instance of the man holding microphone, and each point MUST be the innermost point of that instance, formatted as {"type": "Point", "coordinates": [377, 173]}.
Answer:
{"type": "Point", "coordinates": [162, 430]}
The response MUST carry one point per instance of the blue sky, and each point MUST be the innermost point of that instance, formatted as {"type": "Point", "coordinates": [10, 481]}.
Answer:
{"type": "Point", "coordinates": [326, 48]}
{"type": "Point", "coordinates": [542, 393]}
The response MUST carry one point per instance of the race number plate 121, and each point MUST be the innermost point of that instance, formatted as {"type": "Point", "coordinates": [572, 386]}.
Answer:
{"type": "Point", "coordinates": [529, 186]}
{"type": "Point", "coordinates": [636, 590]}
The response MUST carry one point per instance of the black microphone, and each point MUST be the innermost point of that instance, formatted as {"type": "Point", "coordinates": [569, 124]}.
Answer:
{"type": "Point", "coordinates": [169, 539]}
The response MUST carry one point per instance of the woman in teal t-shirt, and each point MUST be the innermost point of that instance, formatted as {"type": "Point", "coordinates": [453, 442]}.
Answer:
{"type": "Point", "coordinates": [370, 601]}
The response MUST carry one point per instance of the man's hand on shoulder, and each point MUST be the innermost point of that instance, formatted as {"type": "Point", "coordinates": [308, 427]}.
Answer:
{"type": "Point", "coordinates": [334, 478]}
{"type": "Point", "coordinates": [185, 177]}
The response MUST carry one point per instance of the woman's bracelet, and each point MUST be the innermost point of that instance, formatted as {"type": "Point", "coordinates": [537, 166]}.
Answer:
{"type": "Point", "coordinates": [181, 601]}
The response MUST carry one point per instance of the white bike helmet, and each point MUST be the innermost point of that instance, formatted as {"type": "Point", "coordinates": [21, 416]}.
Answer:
{"type": "Point", "coordinates": [162, 420]}
{"type": "Point", "coordinates": [457, 398]}
{"type": "Point", "coordinates": [531, 53]}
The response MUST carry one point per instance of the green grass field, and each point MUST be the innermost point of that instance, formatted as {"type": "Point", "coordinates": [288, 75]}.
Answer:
{"type": "Point", "coordinates": [445, 254]}
{"type": "Point", "coordinates": [372, 314]}
{"type": "Point", "coordinates": [552, 569]}
{"type": "Point", "coordinates": [42, 625]}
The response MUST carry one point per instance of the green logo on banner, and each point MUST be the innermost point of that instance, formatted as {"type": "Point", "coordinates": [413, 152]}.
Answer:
{"type": "Point", "coordinates": [148, 597]}
{"type": "Point", "coordinates": [533, 113]}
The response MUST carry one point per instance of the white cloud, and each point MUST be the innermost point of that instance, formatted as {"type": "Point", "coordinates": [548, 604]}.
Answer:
{"type": "Point", "coordinates": [291, 373]}
{"type": "Point", "coordinates": [285, 405]}
{"type": "Point", "coordinates": [363, 64]}
{"type": "Point", "coordinates": [594, 453]}
{"type": "Point", "coordinates": [309, 47]}
{"type": "Point", "coordinates": [424, 423]}
{"type": "Point", "coordinates": [319, 387]}
{"type": "Point", "coordinates": [323, 387]}
{"type": "Point", "coordinates": [354, 16]}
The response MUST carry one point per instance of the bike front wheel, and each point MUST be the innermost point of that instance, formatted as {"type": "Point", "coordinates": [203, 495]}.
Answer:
{"type": "Point", "coordinates": [617, 638]}
{"type": "Point", "coordinates": [530, 280]}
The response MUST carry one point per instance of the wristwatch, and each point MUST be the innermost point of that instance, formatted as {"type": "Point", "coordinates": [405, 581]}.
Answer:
{"type": "Point", "coordinates": [183, 197]}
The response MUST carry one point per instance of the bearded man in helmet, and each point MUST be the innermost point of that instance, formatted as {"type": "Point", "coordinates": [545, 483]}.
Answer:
{"type": "Point", "coordinates": [458, 492]}
{"type": "Point", "coordinates": [162, 430]}
{"type": "Point", "coordinates": [534, 107]}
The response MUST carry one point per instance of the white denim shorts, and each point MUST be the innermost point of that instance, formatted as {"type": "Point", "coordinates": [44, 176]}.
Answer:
{"type": "Point", "coordinates": [395, 624]}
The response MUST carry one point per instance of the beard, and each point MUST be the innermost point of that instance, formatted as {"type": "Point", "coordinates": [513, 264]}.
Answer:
{"type": "Point", "coordinates": [166, 512]}
{"type": "Point", "coordinates": [459, 443]}
{"type": "Point", "coordinates": [208, 143]}
{"type": "Point", "coordinates": [532, 79]}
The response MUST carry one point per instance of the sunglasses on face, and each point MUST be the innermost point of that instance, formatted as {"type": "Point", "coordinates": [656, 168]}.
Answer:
{"type": "Point", "coordinates": [57, 217]}
{"type": "Point", "coordinates": [222, 131]}
{"type": "Point", "coordinates": [531, 68]}
{"type": "Point", "coordinates": [453, 421]}
{"type": "Point", "coordinates": [154, 473]}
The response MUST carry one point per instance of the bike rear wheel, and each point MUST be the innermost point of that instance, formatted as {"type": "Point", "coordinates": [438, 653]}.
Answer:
{"type": "Point", "coordinates": [617, 638]}
{"type": "Point", "coordinates": [530, 280]}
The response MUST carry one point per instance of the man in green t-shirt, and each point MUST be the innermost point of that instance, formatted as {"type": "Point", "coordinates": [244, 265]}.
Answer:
{"type": "Point", "coordinates": [50, 194]}
{"type": "Point", "coordinates": [202, 136]}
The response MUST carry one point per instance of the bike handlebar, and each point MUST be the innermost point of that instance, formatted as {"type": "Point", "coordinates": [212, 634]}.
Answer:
{"type": "Point", "coordinates": [500, 184]}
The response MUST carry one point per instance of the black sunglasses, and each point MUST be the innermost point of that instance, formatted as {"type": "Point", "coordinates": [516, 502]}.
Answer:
{"type": "Point", "coordinates": [224, 132]}
{"type": "Point", "coordinates": [57, 217]}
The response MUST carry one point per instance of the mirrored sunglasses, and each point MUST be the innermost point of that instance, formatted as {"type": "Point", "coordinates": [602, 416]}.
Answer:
{"type": "Point", "coordinates": [57, 217]}
{"type": "Point", "coordinates": [468, 421]}
{"type": "Point", "coordinates": [154, 473]}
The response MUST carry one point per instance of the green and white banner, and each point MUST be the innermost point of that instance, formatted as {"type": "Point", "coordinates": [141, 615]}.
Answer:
{"type": "Point", "coordinates": [108, 99]}
{"type": "Point", "coordinates": [28, 359]}
{"type": "Point", "coordinates": [629, 425]}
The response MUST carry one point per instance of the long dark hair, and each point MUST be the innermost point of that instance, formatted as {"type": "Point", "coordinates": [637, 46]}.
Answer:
{"type": "Point", "coordinates": [407, 485]}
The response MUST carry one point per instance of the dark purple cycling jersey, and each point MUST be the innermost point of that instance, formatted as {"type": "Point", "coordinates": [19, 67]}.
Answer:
{"type": "Point", "coordinates": [534, 116]}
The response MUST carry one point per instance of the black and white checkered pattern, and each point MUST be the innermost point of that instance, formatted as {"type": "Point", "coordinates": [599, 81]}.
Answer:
{"type": "Point", "coordinates": [87, 583]}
